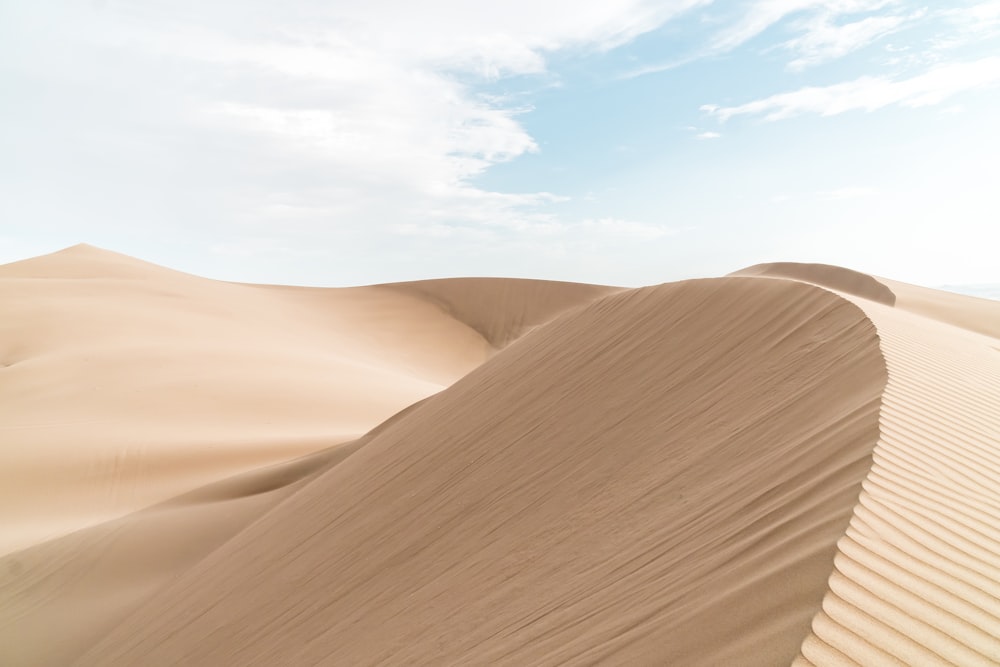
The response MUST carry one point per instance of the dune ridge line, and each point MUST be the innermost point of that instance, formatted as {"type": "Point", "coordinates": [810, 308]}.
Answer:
{"type": "Point", "coordinates": [795, 464]}
{"type": "Point", "coordinates": [548, 508]}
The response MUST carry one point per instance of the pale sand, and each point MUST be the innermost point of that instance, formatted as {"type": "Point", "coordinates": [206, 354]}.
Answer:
{"type": "Point", "coordinates": [917, 574]}
{"type": "Point", "coordinates": [502, 310]}
{"type": "Point", "coordinates": [665, 476]}
{"type": "Point", "coordinates": [128, 383]}
{"type": "Point", "coordinates": [125, 383]}
{"type": "Point", "coordinates": [917, 578]}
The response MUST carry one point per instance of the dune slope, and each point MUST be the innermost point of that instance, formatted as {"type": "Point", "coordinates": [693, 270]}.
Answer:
{"type": "Point", "coordinates": [123, 383]}
{"type": "Point", "coordinates": [659, 477]}
{"type": "Point", "coordinates": [960, 310]}
{"type": "Point", "coordinates": [86, 582]}
{"type": "Point", "coordinates": [917, 577]}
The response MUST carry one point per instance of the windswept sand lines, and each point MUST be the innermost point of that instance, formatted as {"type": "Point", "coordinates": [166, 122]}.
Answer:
{"type": "Point", "coordinates": [666, 475]}
{"type": "Point", "coordinates": [660, 477]}
{"type": "Point", "coordinates": [917, 575]}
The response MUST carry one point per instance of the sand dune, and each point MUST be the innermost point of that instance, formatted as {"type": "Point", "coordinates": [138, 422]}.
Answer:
{"type": "Point", "coordinates": [129, 383]}
{"type": "Point", "coordinates": [87, 581]}
{"type": "Point", "coordinates": [502, 309]}
{"type": "Point", "coordinates": [966, 312]}
{"type": "Point", "coordinates": [603, 490]}
{"type": "Point", "coordinates": [917, 578]}
{"type": "Point", "coordinates": [836, 278]}
{"type": "Point", "coordinates": [798, 463]}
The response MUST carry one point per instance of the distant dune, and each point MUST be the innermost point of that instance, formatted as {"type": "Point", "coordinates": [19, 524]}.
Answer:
{"type": "Point", "coordinates": [502, 309]}
{"type": "Point", "coordinates": [983, 291]}
{"type": "Point", "coordinates": [793, 464]}
{"type": "Point", "coordinates": [129, 383]}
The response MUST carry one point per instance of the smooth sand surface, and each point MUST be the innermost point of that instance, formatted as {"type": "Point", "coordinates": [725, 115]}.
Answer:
{"type": "Point", "coordinates": [836, 278]}
{"type": "Point", "coordinates": [798, 463]}
{"type": "Point", "coordinates": [502, 309]}
{"type": "Point", "coordinates": [966, 312]}
{"type": "Point", "coordinates": [126, 383]}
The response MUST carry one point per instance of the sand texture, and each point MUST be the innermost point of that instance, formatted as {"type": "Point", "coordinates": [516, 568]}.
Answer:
{"type": "Point", "coordinates": [792, 464]}
{"type": "Point", "coordinates": [917, 577]}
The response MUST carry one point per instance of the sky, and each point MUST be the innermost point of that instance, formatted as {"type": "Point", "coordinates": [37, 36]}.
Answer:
{"type": "Point", "coordinates": [624, 142]}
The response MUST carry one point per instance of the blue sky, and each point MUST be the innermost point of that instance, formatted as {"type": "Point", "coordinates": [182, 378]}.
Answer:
{"type": "Point", "coordinates": [616, 141]}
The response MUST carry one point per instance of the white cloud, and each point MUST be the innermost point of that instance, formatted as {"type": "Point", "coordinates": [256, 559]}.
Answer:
{"type": "Point", "coordinates": [503, 34]}
{"type": "Point", "coordinates": [388, 120]}
{"type": "Point", "coordinates": [762, 14]}
{"type": "Point", "coordinates": [324, 39]}
{"type": "Point", "coordinates": [822, 35]}
{"type": "Point", "coordinates": [870, 93]}
{"type": "Point", "coordinates": [758, 17]}
{"type": "Point", "coordinates": [429, 144]}
{"type": "Point", "coordinates": [330, 117]}
{"type": "Point", "coordinates": [979, 17]}
{"type": "Point", "coordinates": [826, 40]}
{"type": "Point", "coordinates": [707, 135]}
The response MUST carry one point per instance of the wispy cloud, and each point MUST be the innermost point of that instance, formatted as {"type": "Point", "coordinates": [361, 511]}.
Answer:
{"type": "Point", "coordinates": [978, 17]}
{"type": "Point", "coordinates": [325, 115]}
{"type": "Point", "coordinates": [824, 39]}
{"type": "Point", "coordinates": [386, 117]}
{"type": "Point", "coordinates": [758, 17]}
{"type": "Point", "coordinates": [822, 33]}
{"type": "Point", "coordinates": [707, 135]}
{"type": "Point", "coordinates": [762, 14]}
{"type": "Point", "coordinates": [870, 93]}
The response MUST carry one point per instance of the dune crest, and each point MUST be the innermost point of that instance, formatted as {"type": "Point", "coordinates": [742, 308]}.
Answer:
{"type": "Point", "coordinates": [917, 577]}
{"type": "Point", "coordinates": [825, 275]}
{"type": "Point", "coordinates": [602, 491]}
{"type": "Point", "coordinates": [502, 309]}
{"type": "Point", "coordinates": [794, 464]}
{"type": "Point", "coordinates": [87, 262]}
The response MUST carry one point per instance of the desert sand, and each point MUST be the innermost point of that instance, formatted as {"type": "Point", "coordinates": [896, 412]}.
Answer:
{"type": "Point", "coordinates": [792, 464]}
